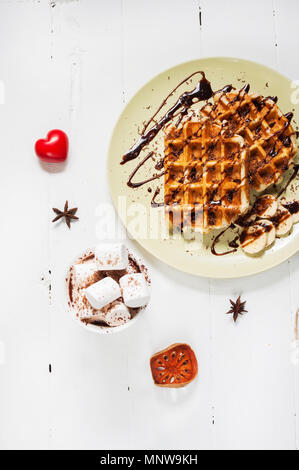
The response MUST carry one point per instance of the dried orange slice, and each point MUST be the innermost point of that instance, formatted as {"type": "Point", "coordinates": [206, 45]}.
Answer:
{"type": "Point", "coordinates": [175, 366]}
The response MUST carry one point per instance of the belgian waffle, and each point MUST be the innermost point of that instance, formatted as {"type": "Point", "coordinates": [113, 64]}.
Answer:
{"type": "Point", "coordinates": [266, 131]}
{"type": "Point", "coordinates": [206, 176]}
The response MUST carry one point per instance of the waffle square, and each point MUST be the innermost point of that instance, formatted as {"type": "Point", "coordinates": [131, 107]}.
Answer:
{"type": "Point", "coordinates": [206, 176]}
{"type": "Point", "coordinates": [266, 131]}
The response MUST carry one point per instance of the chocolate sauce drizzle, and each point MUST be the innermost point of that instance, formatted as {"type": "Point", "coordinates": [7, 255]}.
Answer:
{"type": "Point", "coordinates": [154, 203]}
{"type": "Point", "coordinates": [232, 244]}
{"type": "Point", "coordinates": [160, 164]}
{"type": "Point", "coordinates": [202, 91]}
{"type": "Point", "coordinates": [245, 237]}
{"type": "Point", "coordinates": [167, 97]}
{"type": "Point", "coordinates": [292, 206]}
{"type": "Point", "coordinates": [140, 183]}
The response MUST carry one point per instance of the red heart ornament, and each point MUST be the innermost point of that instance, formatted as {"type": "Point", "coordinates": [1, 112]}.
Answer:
{"type": "Point", "coordinates": [54, 148]}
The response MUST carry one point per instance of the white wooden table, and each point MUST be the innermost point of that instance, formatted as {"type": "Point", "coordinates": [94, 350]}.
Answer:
{"type": "Point", "coordinates": [73, 65]}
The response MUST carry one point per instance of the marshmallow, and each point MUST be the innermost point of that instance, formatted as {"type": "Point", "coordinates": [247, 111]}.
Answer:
{"type": "Point", "coordinates": [111, 256]}
{"type": "Point", "coordinates": [86, 273]}
{"type": "Point", "coordinates": [102, 293]}
{"type": "Point", "coordinates": [116, 314]}
{"type": "Point", "coordinates": [135, 290]}
{"type": "Point", "coordinates": [84, 311]}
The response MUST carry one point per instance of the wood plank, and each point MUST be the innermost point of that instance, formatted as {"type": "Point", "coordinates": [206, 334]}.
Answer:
{"type": "Point", "coordinates": [88, 383]}
{"type": "Point", "coordinates": [253, 385]}
{"type": "Point", "coordinates": [25, 64]}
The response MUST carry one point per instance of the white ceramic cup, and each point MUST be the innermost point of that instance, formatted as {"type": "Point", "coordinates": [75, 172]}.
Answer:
{"type": "Point", "coordinates": [102, 329]}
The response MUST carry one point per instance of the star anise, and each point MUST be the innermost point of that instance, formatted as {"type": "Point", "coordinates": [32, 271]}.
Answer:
{"type": "Point", "coordinates": [68, 214]}
{"type": "Point", "coordinates": [237, 308]}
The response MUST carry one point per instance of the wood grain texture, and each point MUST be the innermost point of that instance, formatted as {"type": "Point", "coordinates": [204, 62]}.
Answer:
{"type": "Point", "coordinates": [73, 65]}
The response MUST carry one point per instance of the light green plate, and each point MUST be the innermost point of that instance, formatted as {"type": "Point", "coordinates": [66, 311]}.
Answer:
{"type": "Point", "coordinates": [133, 205]}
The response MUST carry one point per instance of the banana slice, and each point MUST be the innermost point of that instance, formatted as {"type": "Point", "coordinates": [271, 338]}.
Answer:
{"type": "Point", "coordinates": [246, 219]}
{"type": "Point", "coordinates": [253, 239]}
{"type": "Point", "coordinates": [282, 220]}
{"type": "Point", "coordinates": [269, 229]}
{"type": "Point", "coordinates": [293, 208]}
{"type": "Point", "coordinates": [265, 206]}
